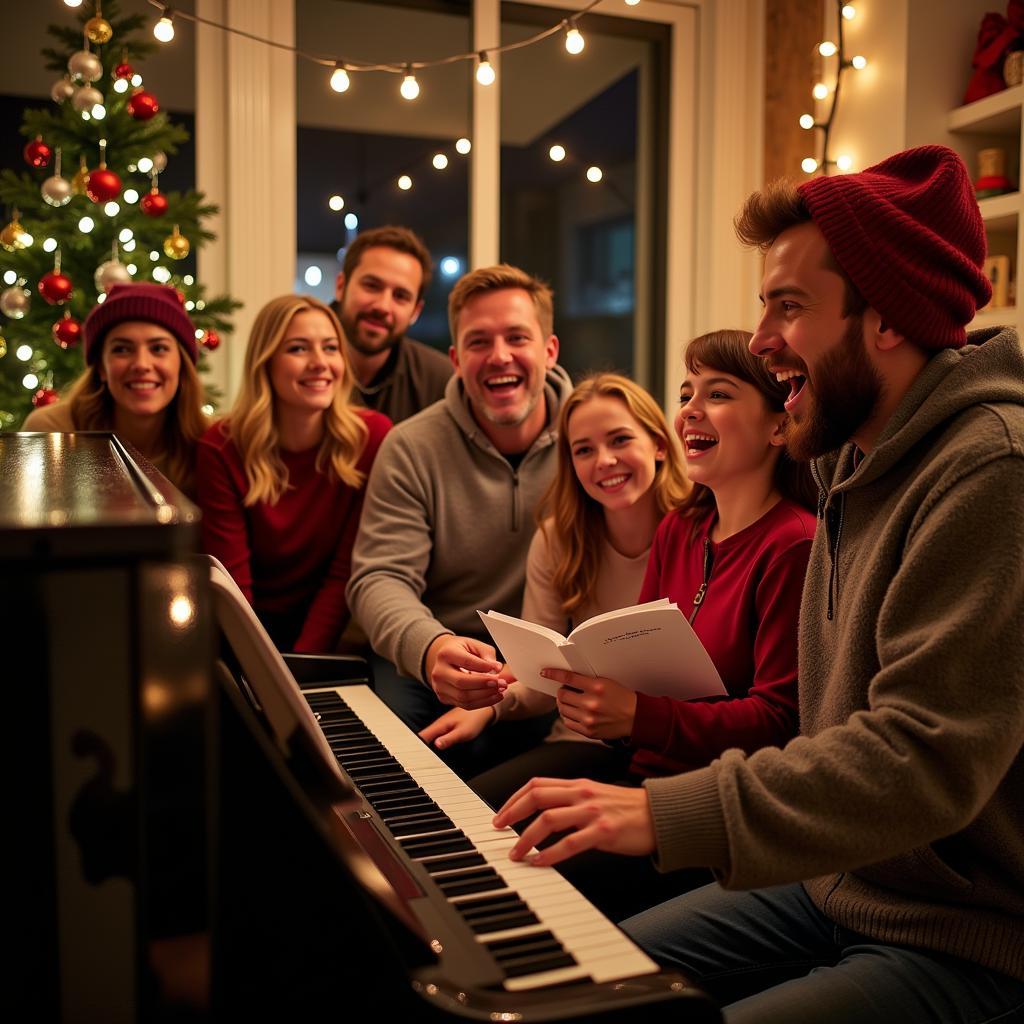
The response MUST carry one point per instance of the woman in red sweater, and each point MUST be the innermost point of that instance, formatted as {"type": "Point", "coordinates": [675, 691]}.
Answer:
{"type": "Point", "coordinates": [281, 480]}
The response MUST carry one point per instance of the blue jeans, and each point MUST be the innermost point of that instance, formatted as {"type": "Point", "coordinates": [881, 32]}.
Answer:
{"type": "Point", "coordinates": [770, 956]}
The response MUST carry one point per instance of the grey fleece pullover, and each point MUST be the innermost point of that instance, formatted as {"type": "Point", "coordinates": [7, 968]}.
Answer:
{"type": "Point", "coordinates": [446, 527]}
{"type": "Point", "coordinates": [901, 804]}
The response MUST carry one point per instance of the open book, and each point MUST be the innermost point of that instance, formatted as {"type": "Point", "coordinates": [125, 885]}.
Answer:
{"type": "Point", "coordinates": [650, 648]}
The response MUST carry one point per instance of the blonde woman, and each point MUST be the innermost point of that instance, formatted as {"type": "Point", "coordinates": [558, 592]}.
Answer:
{"type": "Point", "coordinates": [281, 480]}
{"type": "Point", "coordinates": [620, 471]}
{"type": "Point", "coordinates": [140, 380]}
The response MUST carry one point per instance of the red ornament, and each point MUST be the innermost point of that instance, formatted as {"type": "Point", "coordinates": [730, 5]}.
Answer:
{"type": "Point", "coordinates": [153, 204]}
{"type": "Point", "coordinates": [211, 340]}
{"type": "Point", "coordinates": [37, 153]}
{"type": "Point", "coordinates": [67, 332]}
{"type": "Point", "coordinates": [55, 287]}
{"type": "Point", "coordinates": [45, 396]}
{"type": "Point", "coordinates": [103, 185]}
{"type": "Point", "coordinates": [143, 105]}
{"type": "Point", "coordinates": [124, 70]}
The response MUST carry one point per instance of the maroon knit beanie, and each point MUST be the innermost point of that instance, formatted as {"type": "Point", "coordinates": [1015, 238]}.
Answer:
{"type": "Point", "coordinates": [154, 303]}
{"type": "Point", "coordinates": [909, 235]}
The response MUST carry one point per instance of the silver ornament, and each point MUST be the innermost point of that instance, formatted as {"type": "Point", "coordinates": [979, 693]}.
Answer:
{"type": "Point", "coordinates": [86, 97]}
{"type": "Point", "coordinates": [85, 65]}
{"type": "Point", "coordinates": [56, 190]}
{"type": "Point", "coordinates": [159, 162]}
{"type": "Point", "coordinates": [62, 90]}
{"type": "Point", "coordinates": [109, 273]}
{"type": "Point", "coordinates": [15, 301]}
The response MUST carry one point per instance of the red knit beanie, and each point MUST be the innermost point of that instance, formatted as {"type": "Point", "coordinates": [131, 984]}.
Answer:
{"type": "Point", "coordinates": [154, 303]}
{"type": "Point", "coordinates": [909, 235]}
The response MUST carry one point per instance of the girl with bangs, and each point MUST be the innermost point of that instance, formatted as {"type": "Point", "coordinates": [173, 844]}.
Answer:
{"type": "Point", "coordinates": [281, 479]}
{"type": "Point", "coordinates": [619, 472]}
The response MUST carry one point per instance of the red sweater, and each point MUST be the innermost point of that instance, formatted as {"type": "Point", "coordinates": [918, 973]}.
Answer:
{"type": "Point", "coordinates": [292, 560]}
{"type": "Point", "coordinates": [747, 622]}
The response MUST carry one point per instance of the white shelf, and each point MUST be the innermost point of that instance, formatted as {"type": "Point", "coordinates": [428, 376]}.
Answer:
{"type": "Point", "coordinates": [1003, 316]}
{"type": "Point", "coordinates": [998, 114]}
{"type": "Point", "coordinates": [1001, 213]}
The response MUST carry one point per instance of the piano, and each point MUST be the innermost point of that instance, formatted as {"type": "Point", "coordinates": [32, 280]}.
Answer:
{"type": "Point", "coordinates": [334, 863]}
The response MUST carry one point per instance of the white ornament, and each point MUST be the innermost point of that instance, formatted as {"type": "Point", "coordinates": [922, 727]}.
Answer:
{"type": "Point", "coordinates": [110, 273]}
{"type": "Point", "coordinates": [14, 302]}
{"type": "Point", "coordinates": [56, 190]}
{"type": "Point", "coordinates": [62, 90]}
{"type": "Point", "coordinates": [86, 97]}
{"type": "Point", "coordinates": [85, 65]}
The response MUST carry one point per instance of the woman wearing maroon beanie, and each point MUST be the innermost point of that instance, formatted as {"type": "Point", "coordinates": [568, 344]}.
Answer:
{"type": "Point", "coordinates": [140, 380]}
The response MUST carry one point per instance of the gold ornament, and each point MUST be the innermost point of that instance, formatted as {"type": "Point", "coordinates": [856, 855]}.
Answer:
{"type": "Point", "coordinates": [3, 346]}
{"type": "Point", "coordinates": [80, 181]}
{"type": "Point", "coordinates": [11, 236]}
{"type": "Point", "coordinates": [176, 245]}
{"type": "Point", "coordinates": [98, 30]}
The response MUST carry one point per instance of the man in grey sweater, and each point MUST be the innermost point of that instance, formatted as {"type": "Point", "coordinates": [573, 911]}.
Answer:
{"type": "Point", "coordinates": [450, 502]}
{"type": "Point", "coordinates": [885, 844]}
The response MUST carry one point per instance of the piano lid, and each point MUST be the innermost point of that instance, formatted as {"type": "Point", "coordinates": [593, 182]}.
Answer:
{"type": "Point", "coordinates": [87, 494]}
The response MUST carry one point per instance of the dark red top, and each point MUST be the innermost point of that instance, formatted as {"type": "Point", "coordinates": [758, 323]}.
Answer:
{"type": "Point", "coordinates": [747, 622]}
{"type": "Point", "coordinates": [292, 560]}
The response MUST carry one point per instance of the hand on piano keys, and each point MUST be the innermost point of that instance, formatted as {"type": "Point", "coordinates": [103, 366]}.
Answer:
{"type": "Point", "coordinates": [616, 819]}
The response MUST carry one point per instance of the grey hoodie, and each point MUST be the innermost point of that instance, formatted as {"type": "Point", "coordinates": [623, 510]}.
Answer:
{"type": "Point", "coordinates": [901, 804]}
{"type": "Point", "coordinates": [446, 527]}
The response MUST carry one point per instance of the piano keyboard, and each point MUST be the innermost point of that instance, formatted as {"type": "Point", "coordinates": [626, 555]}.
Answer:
{"type": "Point", "coordinates": [538, 928]}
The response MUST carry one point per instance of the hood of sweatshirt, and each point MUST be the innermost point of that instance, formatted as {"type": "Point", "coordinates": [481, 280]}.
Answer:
{"type": "Point", "coordinates": [557, 387]}
{"type": "Point", "coordinates": [989, 369]}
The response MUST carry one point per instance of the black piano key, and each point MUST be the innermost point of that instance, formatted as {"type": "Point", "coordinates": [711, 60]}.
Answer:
{"type": "Point", "coordinates": [537, 966]}
{"type": "Point", "coordinates": [501, 922]}
{"type": "Point", "coordinates": [454, 842]}
{"type": "Point", "coordinates": [526, 946]}
{"type": "Point", "coordinates": [410, 817]}
{"type": "Point", "coordinates": [463, 860]}
{"type": "Point", "coordinates": [372, 789]}
{"type": "Point", "coordinates": [404, 810]}
{"type": "Point", "coordinates": [471, 882]}
{"type": "Point", "coordinates": [489, 903]}
{"type": "Point", "coordinates": [385, 802]}
{"type": "Point", "coordinates": [499, 947]}
{"type": "Point", "coordinates": [421, 826]}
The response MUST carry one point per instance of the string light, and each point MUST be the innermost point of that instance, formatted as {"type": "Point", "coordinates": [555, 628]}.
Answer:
{"type": "Point", "coordinates": [410, 88]}
{"type": "Point", "coordinates": [24, 353]}
{"type": "Point", "coordinates": [351, 221]}
{"type": "Point", "coordinates": [806, 121]}
{"type": "Point", "coordinates": [594, 174]}
{"type": "Point", "coordinates": [849, 12]}
{"type": "Point", "coordinates": [632, 3]}
{"type": "Point", "coordinates": [859, 62]}
{"type": "Point", "coordinates": [164, 28]}
{"type": "Point", "coordinates": [130, 196]}
{"type": "Point", "coordinates": [86, 224]}
{"type": "Point", "coordinates": [827, 48]}
{"type": "Point", "coordinates": [121, 85]}
{"type": "Point", "coordinates": [820, 91]}
{"type": "Point", "coordinates": [29, 381]}
{"type": "Point", "coordinates": [336, 203]}
{"type": "Point", "coordinates": [99, 112]}
{"type": "Point", "coordinates": [72, 3]}
{"type": "Point", "coordinates": [125, 235]}
{"type": "Point", "coordinates": [440, 161]}
{"type": "Point", "coordinates": [10, 276]}
{"type": "Point", "coordinates": [132, 269]}
{"type": "Point", "coordinates": [340, 80]}
{"type": "Point", "coordinates": [49, 244]}
{"type": "Point", "coordinates": [145, 165]}
{"type": "Point", "coordinates": [136, 79]}
{"type": "Point", "coordinates": [808, 165]}
{"type": "Point", "coordinates": [574, 41]}
{"type": "Point", "coordinates": [484, 72]}
{"type": "Point", "coordinates": [844, 162]}
{"type": "Point", "coordinates": [112, 209]}
{"type": "Point", "coordinates": [463, 146]}
{"type": "Point", "coordinates": [405, 183]}
{"type": "Point", "coordinates": [557, 153]}
{"type": "Point", "coordinates": [450, 266]}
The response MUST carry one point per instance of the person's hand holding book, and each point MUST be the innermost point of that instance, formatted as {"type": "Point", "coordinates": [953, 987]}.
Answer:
{"type": "Point", "coordinates": [597, 708]}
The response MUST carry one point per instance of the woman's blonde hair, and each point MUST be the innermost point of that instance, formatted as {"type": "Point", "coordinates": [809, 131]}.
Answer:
{"type": "Point", "coordinates": [92, 408]}
{"type": "Point", "coordinates": [577, 520]}
{"type": "Point", "coordinates": [251, 424]}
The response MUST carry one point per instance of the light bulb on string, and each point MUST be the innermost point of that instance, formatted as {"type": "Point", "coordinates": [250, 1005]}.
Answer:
{"type": "Point", "coordinates": [410, 88]}
{"type": "Point", "coordinates": [484, 72]}
{"type": "Point", "coordinates": [351, 221]}
{"type": "Point", "coordinates": [336, 203]}
{"type": "Point", "coordinates": [849, 12]}
{"type": "Point", "coordinates": [820, 91]}
{"type": "Point", "coordinates": [806, 121]}
{"type": "Point", "coordinates": [574, 41]}
{"type": "Point", "coordinates": [594, 174]}
{"type": "Point", "coordinates": [844, 162]}
{"type": "Point", "coordinates": [827, 48]}
{"type": "Point", "coordinates": [340, 80]}
{"type": "Point", "coordinates": [808, 165]}
{"type": "Point", "coordinates": [440, 161]}
{"type": "Point", "coordinates": [557, 153]}
{"type": "Point", "coordinates": [121, 85]}
{"type": "Point", "coordinates": [463, 146]}
{"type": "Point", "coordinates": [163, 30]}
{"type": "Point", "coordinates": [632, 3]}
{"type": "Point", "coordinates": [859, 62]}
{"type": "Point", "coordinates": [72, 3]}
{"type": "Point", "coordinates": [145, 165]}
{"type": "Point", "coordinates": [405, 183]}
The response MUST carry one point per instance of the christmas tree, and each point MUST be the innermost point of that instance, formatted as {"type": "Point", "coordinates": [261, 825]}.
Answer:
{"type": "Point", "coordinates": [90, 212]}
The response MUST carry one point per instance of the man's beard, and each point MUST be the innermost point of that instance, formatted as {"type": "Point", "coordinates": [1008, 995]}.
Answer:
{"type": "Point", "coordinates": [350, 325]}
{"type": "Point", "coordinates": [846, 391]}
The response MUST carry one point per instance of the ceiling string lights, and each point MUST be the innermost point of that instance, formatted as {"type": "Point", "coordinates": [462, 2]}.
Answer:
{"type": "Point", "coordinates": [828, 49]}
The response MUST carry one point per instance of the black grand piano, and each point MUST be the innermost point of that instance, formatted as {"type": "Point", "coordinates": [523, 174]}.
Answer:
{"type": "Point", "coordinates": [215, 829]}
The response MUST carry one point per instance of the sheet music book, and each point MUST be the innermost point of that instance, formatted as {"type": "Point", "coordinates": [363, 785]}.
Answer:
{"type": "Point", "coordinates": [650, 648]}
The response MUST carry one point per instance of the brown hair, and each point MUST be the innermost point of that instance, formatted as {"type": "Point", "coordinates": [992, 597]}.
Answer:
{"type": "Point", "coordinates": [729, 352]}
{"type": "Point", "coordinates": [251, 423]}
{"type": "Point", "coordinates": [492, 279]}
{"type": "Point", "coordinates": [779, 207]}
{"type": "Point", "coordinates": [574, 518]}
{"type": "Point", "coordinates": [92, 408]}
{"type": "Point", "coordinates": [390, 237]}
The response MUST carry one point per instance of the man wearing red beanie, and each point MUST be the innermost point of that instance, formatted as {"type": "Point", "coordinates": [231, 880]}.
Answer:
{"type": "Point", "coordinates": [877, 861]}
